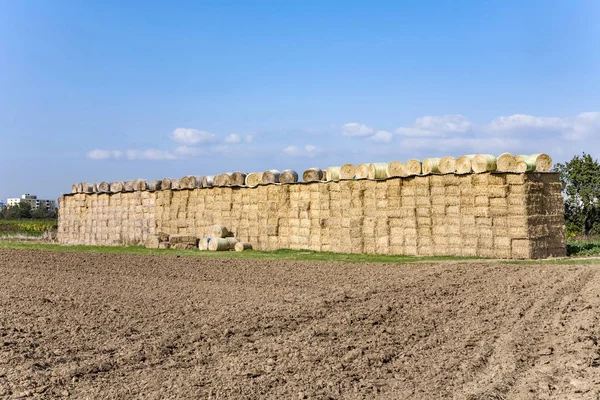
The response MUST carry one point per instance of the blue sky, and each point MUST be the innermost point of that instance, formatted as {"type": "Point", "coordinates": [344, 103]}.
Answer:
{"type": "Point", "coordinates": [106, 91]}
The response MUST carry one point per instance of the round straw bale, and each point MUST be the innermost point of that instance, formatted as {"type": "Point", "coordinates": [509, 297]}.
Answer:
{"type": "Point", "coordinates": [238, 178]}
{"type": "Point", "coordinates": [431, 165]}
{"type": "Point", "coordinates": [223, 179]}
{"type": "Point", "coordinates": [176, 184]}
{"type": "Point", "coordinates": [378, 171]}
{"type": "Point", "coordinates": [396, 168]}
{"type": "Point", "coordinates": [253, 179]}
{"type": "Point", "coordinates": [152, 242]}
{"type": "Point", "coordinates": [208, 181]}
{"type": "Point", "coordinates": [483, 163]}
{"type": "Point", "coordinates": [190, 182]}
{"type": "Point", "coordinates": [80, 187]}
{"type": "Point", "coordinates": [154, 185]}
{"type": "Point", "coordinates": [525, 165]}
{"type": "Point", "coordinates": [312, 175]}
{"type": "Point", "coordinates": [218, 244]}
{"type": "Point", "coordinates": [362, 171]}
{"type": "Point", "coordinates": [104, 187]}
{"type": "Point", "coordinates": [464, 164]}
{"type": "Point", "coordinates": [128, 186]}
{"type": "Point", "coordinates": [95, 188]}
{"type": "Point", "coordinates": [88, 187]}
{"type": "Point", "coordinates": [333, 173]}
{"type": "Point", "coordinates": [414, 167]}
{"type": "Point", "coordinates": [543, 162]}
{"type": "Point", "coordinates": [347, 171]}
{"type": "Point", "coordinates": [219, 231]}
{"type": "Point", "coordinates": [506, 163]}
{"type": "Point", "coordinates": [520, 157]}
{"type": "Point", "coordinates": [447, 165]}
{"type": "Point", "coordinates": [116, 187]}
{"type": "Point", "coordinates": [288, 176]}
{"type": "Point", "coordinates": [270, 176]}
{"type": "Point", "coordinates": [74, 188]}
{"type": "Point", "coordinates": [140, 185]}
{"type": "Point", "coordinates": [325, 176]}
{"type": "Point", "coordinates": [166, 183]}
{"type": "Point", "coordinates": [241, 246]}
{"type": "Point", "coordinates": [203, 244]}
{"type": "Point", "coordinates": [232, 242]}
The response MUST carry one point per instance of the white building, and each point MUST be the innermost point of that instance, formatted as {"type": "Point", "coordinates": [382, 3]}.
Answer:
{"type": "Point", "coordinates": [33, 201]}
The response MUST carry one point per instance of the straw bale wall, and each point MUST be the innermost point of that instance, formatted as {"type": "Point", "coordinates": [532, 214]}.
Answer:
{"type": "Point", "coordinates": [500, 215]}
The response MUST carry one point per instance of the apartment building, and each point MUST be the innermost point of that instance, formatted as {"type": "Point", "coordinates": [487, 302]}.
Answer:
{"type": "Point", "coordinates": [33, 201]}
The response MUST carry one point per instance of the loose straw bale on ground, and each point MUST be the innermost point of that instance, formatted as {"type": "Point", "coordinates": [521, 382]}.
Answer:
{"type": "Point", "coordinates": [361, 171]}
{"type": "Point", "coordinates": [288, 176]}
{"type": "Point", "coordinates": [333, 173]}
{"type": "Point", "coordinates": [241, 246]}
{"type": "Point", "coordinates": [219, 231]}
{"type": "Point", "coordinates": [506, 163]}
{"type": "Point", "coordinates": [270, 176]}
{"type": "Point", "coordinates": [104, 187]}
{"type": "Point", "coordinates": [253, 179]}
{"type": "Point", "coordinates": [152, 242]}
{"type": "Point", "coordinates": [414, 167]}
{"type": "Point", "coordinates": [483, 163]}
{"type": "Point", "coordinates": [464, 164]}
{"type": "Point", "coordinates": [116, 187]}
{"type": "Point", "coordinates": [396, 168]}
{"type": "Point", "coordinates": [238, 178]}
{"type": "Point", "coordinates": [447, 165]}
{"type": "Point", "coordinates": [203, 244]}
{"type": "Point", "coordinates": [431, 165]}
{"type": "Point", "coordinates": [347, 171]}
{"type": "Point", "coordinates": [218, 244]}
{"type": "Point", "coordinates": [378, 171]}
{"type": "Point", "coordinates": [312, 175]}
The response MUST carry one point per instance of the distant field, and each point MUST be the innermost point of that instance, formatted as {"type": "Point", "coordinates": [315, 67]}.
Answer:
{"type": "Point", "coordinates": [25, 227]}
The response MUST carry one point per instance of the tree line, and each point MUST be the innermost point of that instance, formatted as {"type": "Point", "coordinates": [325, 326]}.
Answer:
{"type": "Point", "coordinates": [24, 210]}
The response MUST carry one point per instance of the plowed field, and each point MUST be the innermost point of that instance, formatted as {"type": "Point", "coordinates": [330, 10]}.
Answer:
{"type": "Point", "coordinates": [155, 327]}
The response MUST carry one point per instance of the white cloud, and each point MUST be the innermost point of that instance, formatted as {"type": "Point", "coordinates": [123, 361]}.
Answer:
{"type": "Point", "coordinates": [308, 151]}
{"type": "Point", "coordinates": [190, 136]}
{"type": "Point", "coordinates": [249, 138]}
{"type": "Point", "coordinates": [98, 154]}
{"type": "Point", "coordinates": [150, 154]}
{"type": "Point", "coordinates": [356, 129]}
{"type": "Point", "coordinates": [381, 137]}
{"type": "Point", "coordinates": [233, 138]}
{"type": "Point", "coordinates": [436, 126]}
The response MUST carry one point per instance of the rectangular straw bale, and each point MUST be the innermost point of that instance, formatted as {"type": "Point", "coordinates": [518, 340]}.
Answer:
{"type": "Point", "coordinates": [408, 191]}
{"type": "Point", "coordinates": [394, 187]}
{"type": "Point", "coordinates": [437, 180]}
{"type": "Point", "coordinates": [454, 180]}
{"type": "Point", "coordinates": [437, 191]}
{"type": "Point", "coordinates": [452, 210]}
{"type": "Point", "coordinates": [482, 201]}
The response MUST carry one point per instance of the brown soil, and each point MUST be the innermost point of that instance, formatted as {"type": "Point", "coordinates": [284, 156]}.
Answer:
{"type": "Point", "coordinates": [98, 326]}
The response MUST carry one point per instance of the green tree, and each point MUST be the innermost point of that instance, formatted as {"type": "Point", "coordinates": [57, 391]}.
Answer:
{"type": "Point", "coordinates": [580, 178]}
{"type": "Point", "coordinates": [21, 210]}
